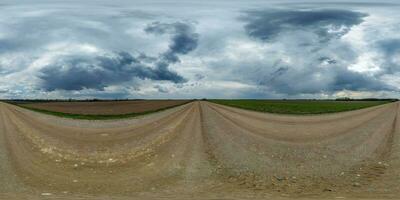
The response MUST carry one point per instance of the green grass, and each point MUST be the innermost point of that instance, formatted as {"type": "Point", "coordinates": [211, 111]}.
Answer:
{"type": "Point", "coordinates": [95, 117]}
{"type": "Point", "coordinates": [299, 107]}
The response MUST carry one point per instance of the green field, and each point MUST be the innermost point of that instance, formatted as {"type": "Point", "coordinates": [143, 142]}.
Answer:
{"type": "Point", "coordinates": [299, 106]}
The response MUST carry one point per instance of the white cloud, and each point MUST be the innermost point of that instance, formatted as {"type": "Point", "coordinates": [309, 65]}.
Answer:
{"type": "Point", "coordinates": [367, 62]}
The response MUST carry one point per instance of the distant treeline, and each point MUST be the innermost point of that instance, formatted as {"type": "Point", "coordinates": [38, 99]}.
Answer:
{"type": "Point", "coordinates": [69, 100]}
{"type": "Point", "coordinates": [365, 99]}
{"type": "Point", "coordinates": [337, 99]}
{"type": "Point", "coordinates": [19, 101]}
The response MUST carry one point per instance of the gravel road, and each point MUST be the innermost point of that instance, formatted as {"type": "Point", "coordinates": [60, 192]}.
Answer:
{"type": "Point", "coordinates": [201, 150]}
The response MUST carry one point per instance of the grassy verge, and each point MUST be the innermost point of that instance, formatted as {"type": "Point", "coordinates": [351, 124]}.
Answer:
{"type": "Point", "coordinates": [96, 117]}
{"type": "Point", "coordinates": [299, 107]}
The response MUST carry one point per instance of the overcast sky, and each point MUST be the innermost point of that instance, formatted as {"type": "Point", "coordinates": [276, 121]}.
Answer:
{"type": "Point", "coordinates": [196, 49]}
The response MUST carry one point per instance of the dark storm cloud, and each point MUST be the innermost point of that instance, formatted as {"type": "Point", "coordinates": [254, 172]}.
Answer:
{"type": "Point", "coordinates": [161, 89]}
{"type": "Point", "coordinates": [78, 73]}
{"type": "Point", "coordinates": [314, 80]}
{"type": "Point", "coordinates": [327, 60]}
{"type": "Point", "coordinates": [317, 72]}
{"type": "Point", "coordinates": [345, 79]}
{"type": "Point", "coordinates": [268, 24]}
{"type": "Point", "coordinates": [390, 48]}
{"type": "Point", "coordinates": [183, 39]}
{"type": "Point", "coordinates": [199, 76]}
{"type": "Point", "coordinates": [280, 71]}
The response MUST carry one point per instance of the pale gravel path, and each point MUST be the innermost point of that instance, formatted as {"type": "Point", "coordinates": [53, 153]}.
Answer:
{"type": "Point", "coordinates": [201, 150]}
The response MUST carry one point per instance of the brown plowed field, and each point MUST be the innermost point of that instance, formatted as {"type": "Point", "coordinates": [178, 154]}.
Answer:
{"type": "Point", "coordinates": [106, 107]}
{"type": "Point", "coordinates": [201, 150]}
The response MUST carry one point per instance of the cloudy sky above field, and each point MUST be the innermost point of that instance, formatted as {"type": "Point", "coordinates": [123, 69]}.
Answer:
{"type": "Point", "coordinates": [195, 49]}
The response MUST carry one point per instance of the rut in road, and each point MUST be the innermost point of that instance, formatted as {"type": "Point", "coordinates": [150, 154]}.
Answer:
{"type": "Point", "coordinates": [203, 148]}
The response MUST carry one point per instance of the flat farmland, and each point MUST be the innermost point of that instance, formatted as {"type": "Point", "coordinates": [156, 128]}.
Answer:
{"type": "Point", "coordinates": [299, 106]}
{"type": "Point", "coordinates": [102, 109]}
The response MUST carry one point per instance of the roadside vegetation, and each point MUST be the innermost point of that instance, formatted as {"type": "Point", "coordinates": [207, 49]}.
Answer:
{"type": "Point", "coordinates": [301, 106]}
{"type": "Point", "coordinates": [66, 114]}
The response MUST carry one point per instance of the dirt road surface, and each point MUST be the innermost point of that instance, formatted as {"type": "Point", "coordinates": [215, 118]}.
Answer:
{"type": "Point", "coordinates": [201, 150]}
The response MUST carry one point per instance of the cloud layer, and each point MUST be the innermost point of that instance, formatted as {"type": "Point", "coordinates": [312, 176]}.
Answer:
{"type": "Point", "coordinates": [78, 73]}
{"type": "Point", "coordinates": [327, 24]}
{"type": "Point", "coordinates": [99, 49]}
{"type": "Point", "coordinates": [98, 72]}
{"type": "Point", "coordinates": [311, 39]}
